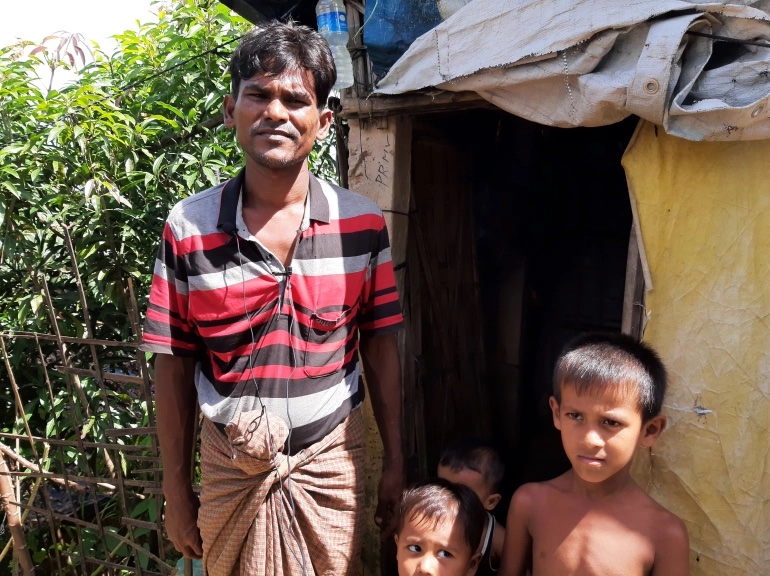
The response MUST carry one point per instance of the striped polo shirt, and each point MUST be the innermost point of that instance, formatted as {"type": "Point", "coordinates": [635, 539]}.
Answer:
{"type": "Point", "coordinates": [285, 338]}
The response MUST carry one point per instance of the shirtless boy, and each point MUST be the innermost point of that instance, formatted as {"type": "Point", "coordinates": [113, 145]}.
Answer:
{"type": "Point", "coordinates": [477, 465]}
{"type": "Point", "coordinates": [439, 530]}
{"type": "Point", "coordinates": [594, 520]}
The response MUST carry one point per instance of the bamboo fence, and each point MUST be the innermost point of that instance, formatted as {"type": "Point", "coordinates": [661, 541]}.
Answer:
{"type": "Point", "coordinates": [85, 486]}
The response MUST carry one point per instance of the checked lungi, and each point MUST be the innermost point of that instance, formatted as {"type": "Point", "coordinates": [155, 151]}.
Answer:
{"type": "Point", "coordinates": [264, 514]}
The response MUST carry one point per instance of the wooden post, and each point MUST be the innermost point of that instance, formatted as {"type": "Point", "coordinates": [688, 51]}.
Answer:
{"type": "Point", "coordinates": [13, 516]}
{"type": "Point", "coordinates": [379, 161]}
{"type": "Point", "coordinates": [633, 320]}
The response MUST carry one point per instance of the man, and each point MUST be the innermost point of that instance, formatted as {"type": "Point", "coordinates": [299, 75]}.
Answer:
{"type": "Point", "coordinates": [261, 289]}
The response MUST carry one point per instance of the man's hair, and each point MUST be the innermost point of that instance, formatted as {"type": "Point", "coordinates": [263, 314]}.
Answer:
{"type": "Point", "coordinates": [477, 455]}
{"type": "Point", "coordinates": [613, 361]}
{"type": "Point", "coordinates": [435, 501]}
{"type": "Point", "coordinates": [276, 48]}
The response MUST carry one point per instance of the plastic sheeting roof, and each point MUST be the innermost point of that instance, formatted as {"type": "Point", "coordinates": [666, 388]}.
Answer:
{"type": "Point", "coordinates": [595, 62]}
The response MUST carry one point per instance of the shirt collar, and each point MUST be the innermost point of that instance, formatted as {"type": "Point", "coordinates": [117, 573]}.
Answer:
{"type": "Point", "coordinates": [229, 202]}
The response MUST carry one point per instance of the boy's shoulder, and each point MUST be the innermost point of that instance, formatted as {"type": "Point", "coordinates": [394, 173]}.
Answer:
{"type": "Point", "coordinates": [643, 514]}
{"type": "Point", "coordinates": [537, 495]}
{"type": "Point", "coordinates": [664, 524]}
{"type": "Point", "coordinates": [666, 532]}
{"type": "Point", "coordinates": [553, 493]}
{"type": "Point", "coordinates": [536, 490]}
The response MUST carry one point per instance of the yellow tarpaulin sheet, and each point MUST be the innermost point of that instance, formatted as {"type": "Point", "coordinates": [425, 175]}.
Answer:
{"type": "Point", "coordinates": [703, 210]}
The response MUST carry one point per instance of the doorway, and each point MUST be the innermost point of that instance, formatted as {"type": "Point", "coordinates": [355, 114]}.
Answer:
{"type": "Point", "coordinates": [528, 227]}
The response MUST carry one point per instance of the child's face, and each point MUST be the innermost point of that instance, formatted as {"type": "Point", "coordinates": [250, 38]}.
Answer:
{"type": "Point", "coordinates": [601, 430]}
{"type": "Point", "coordinates": [473, 480]}
{"type": "Point", "coordinates": [427, 550]}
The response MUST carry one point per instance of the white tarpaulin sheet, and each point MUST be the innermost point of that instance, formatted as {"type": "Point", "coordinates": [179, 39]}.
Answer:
{"type": "Point", "coordinates": [595, 62]}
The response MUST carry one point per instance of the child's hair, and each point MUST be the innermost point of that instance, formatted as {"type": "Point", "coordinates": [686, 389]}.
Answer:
{"type": "Point", "coordinates": [436, 500]}
{"type": "Point", "coordinates": [613, 361]}
{"type": "Point", "coordinates": [477, 455]}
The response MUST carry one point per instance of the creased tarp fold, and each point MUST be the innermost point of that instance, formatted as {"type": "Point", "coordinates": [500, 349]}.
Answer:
{"type": "Point", "coordinates": [594, 62]}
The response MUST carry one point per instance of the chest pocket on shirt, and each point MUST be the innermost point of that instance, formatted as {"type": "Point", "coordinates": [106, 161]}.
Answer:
{"type": "Point", "coordinates": [326, 340]}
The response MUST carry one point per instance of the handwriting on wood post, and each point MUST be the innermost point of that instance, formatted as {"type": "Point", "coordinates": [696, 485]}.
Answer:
{"type": "Point", "coordinates": [384, 163]}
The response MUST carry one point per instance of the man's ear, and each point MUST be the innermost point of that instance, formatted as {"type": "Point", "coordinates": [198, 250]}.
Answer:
{"type": "Point", "coordinates": [492, 501]}
{"type": "Point", "coordinates": [554, 404]}
{"type": "Point", "coordinates": [474, 564]}
{"type": "Point", "coordinates": [652, 429]}
{"type": "Point", "coordinates": [325, 119]}
{"type": "Point", "coordinates": [228, 106]}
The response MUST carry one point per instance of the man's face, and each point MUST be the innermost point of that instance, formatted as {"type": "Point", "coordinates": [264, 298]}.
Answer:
{"type": "Point", "coordinates": [600, 430]}
{"type": "Point", "coordinates": [276, 118]}
{"type": "Point", "coordinates": [426, 550]}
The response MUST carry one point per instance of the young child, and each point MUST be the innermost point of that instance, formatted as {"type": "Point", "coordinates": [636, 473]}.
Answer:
{"type": "Point", "coordinates": [477, 465]}
{"type": "Point", "coordinates": [439, 530]}
{"type": "Point", "coordinates": [594, 519]}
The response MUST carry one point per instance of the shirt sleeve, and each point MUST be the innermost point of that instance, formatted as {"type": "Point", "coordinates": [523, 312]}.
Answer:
{"type": "Point", "coordinates": [380, 308]}
{"type": "Point", "coordinates": [167, 328]}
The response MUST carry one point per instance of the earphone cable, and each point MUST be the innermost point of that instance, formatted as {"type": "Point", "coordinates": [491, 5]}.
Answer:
{"type": "Point", "coordinates": [255, 351]}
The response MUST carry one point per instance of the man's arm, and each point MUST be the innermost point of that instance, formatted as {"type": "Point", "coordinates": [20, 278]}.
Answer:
{"type": "Point", "coordinates": [517, 552]}
{"type": "Point", "coordinates": [382, 368]}
{"type": "Point", "coordinates": [176, 407]}
{"type": "Point", "coordinates": [672, 548]}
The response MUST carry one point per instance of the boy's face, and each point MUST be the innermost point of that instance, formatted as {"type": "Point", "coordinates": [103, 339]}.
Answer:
{"type": "Point", "coordinates": [600, 430]}
{"type": "Point", "coordinates": [473, 480]}
{"type": "Point", "coordinates": [427, 550]}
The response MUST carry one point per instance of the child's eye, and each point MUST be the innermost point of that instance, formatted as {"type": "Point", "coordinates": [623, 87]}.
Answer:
{"type": "Point", "coordinates": [574, 416]}
{"type": "Point", "coordinates": [413, 548]}
{"type": "Point", "coordinates": [444, 554]}
{"type": "Point", "coordinates": [613, 423]}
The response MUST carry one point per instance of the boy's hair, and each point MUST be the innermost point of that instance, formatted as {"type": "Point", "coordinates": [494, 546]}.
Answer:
{"type": "Point", "coordinates": [613, 361]}
{"type": "Point", "coordinates": [278, 47]}
{"type": "Point", "coordinates": [436, 500]}
{"type": "Point", "coordinates": [477, 455]}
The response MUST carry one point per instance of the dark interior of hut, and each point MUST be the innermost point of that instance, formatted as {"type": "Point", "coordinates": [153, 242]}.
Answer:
{"type": "Point", "coordinates": [518, 240]}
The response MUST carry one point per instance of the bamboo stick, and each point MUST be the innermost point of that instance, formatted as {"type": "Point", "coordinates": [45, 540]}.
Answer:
{"type": "Point", "coordinates": [78, 443]}
{"type": "Point", "coordinates": [15, 388]}
{"type": "Point", "coordinates": [22, 334]}
{"type": "Point", "coordinates": [31, 499]}
{"type": "Point", "coordinates": [35, 468]}
{"type": "Point", "coordinates": [13, 513]}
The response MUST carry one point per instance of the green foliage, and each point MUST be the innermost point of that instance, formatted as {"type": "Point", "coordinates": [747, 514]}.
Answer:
{"type": "Point", "coordinates": [106, 157]}
{"type": "Point", "coordinates": [109, 161]}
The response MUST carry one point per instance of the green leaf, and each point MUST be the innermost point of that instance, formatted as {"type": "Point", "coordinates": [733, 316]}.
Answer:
{"type": "Point", "coordinates": [87, 426]}
{"type": "Point", "coordinates": [158, 163]}
{"type": "Point", "coordinates": [211, 176]}
{"type": "Point", "coordinates": [11, 187]}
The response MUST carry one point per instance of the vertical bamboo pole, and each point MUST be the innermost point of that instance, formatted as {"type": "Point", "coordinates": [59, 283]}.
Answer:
{"type": "Point", "coordinates": [13, 514]}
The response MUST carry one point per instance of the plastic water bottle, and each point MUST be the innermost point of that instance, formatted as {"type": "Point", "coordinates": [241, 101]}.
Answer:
{"type": "Point", "coordinates": [333, 26]}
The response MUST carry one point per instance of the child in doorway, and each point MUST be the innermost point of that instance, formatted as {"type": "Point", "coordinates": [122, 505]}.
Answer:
{"type": "Point", "coordinates": [439, 530]}
{"type": "Point", "coordinates": [594, 519]}
{"type": "Point", "coordinates": [477, 464]}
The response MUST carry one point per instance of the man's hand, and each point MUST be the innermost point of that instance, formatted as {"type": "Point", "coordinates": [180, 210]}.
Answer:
{"type": "Point", "coordinates": [388, 495]}
{"type": "Point", "coordinates": [175, 405]}
{"type": "Point", "coordinates": [181, 521]}
{"type": "Point", "coordinates": [382, 369]}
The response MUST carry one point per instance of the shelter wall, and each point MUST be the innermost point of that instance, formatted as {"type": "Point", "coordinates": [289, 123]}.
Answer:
{"type": "Point", "coordinates": [704, 214]}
